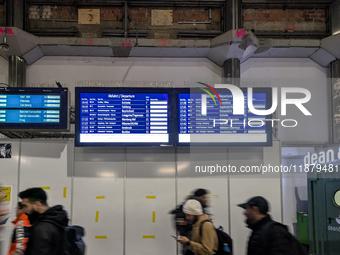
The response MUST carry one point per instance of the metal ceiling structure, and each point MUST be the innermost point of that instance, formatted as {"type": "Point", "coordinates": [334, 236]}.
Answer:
{"type": "Point", "coordinates": [218, 50]}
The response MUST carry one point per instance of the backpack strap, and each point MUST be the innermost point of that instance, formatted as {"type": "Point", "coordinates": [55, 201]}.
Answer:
{"type": "Point", "coordinates": [202, 225]}
{"type": "Point", "coordinates": [266, 233]}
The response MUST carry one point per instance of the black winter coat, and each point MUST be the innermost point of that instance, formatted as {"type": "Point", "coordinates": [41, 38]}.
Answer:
{"type": "Point", "coordinates": [265, 241]}
{"type": "Point", "coordinates": [45, 237]}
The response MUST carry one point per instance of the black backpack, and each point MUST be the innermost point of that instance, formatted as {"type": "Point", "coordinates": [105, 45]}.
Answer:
{"type": "Point", "coordinates": [179, 217]}
{"type": "Point", "coordinates": [296, 248]}
{"type": "Point", "coordinates": [225, 243]}
{"type": "Point", "coordinates": [73, 243]}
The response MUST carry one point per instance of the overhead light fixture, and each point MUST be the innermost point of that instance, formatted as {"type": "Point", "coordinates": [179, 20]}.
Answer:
{"type": "Point", "coordinates": [4, 45]}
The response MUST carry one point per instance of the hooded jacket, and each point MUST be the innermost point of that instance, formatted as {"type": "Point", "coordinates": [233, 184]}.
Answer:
{"type": "Point", "coordinates": [20, 235]}
{"type": "Point", "coordinates": [264, 241]}
{"type": "Point", "coordinates": [207, 243]}
{"type": "Point", "coordinates": [46, 237]}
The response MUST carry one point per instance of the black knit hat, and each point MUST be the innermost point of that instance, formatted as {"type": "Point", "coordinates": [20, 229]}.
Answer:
{"type": "Point", "coordinates": [200, 192]}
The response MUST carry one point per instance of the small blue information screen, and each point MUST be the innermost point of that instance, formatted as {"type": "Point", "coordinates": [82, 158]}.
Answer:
{"type": "Point", "coordinates": [204, 119]}
{"type": "Point", "coordinates": [29, 108]}
{"type": "Point", "coordinates": [124, 117]}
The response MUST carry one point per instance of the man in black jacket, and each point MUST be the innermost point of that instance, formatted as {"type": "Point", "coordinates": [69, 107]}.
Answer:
{"type": "Point", "coordinates": [46, 234]}
{"type": "Point", "coordinates": [268, 237]}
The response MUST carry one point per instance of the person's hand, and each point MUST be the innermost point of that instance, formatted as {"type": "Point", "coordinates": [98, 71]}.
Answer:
{"type": "Point", "coordinates": [183, 239]}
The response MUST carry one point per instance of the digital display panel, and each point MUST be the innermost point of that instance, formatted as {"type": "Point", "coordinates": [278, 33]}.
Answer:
{"type": "Point", "coordinates": [34, 108]}
{"type": "Point", "coordinates": [122, 117]}
{"type": "Point", "coordinates": [207, 119]}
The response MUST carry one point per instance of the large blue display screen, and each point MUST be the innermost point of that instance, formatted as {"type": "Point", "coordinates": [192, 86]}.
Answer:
{"type": "Point", "coordinates": [204, 119]}
{"type": "Point", "coordinates": [124, 118]}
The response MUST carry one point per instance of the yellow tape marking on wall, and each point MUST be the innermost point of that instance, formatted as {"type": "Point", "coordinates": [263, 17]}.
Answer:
{"type": "Point", "coordinates": [100, 197]}
{"type": "Point", "coordinates": [101, 237]}
{"type": "Point", "coordinates": [150, 197]}
{"type": "Point", "coordinates": [145, 237]}
{"type": "Point", "coordinates": [153, 217]}
{"type": "Point", "coordinates": [65, 189]}
{"type": "Point", "coordinates": [45, 187]}
{"type": "Point", "coordinates": [97, 216]}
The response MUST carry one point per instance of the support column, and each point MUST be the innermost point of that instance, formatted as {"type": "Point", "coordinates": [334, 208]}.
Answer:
{"type": "Point", "coordinates": [335, 19]}
{"type": "Point", "coordinates": [231, 71]}
{"type": "Point", "coordinates": [233, 15]}
{"type": "Point", "coordinates": [16, 72]}
{"type": "Point", "coordinates": [15, 13]}
{"type": "Point", "coordinates": [126, 18]}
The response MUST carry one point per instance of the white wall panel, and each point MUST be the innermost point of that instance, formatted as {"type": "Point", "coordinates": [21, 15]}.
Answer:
{"type": "Point", "coordinates": [98, 195]}
{"type": "Point", "coordinates": [75, 69]}
{"type": "Point", "coordinates": [150, 195]}
{"type": "Point", "coordinates": [303, 73]}
{"type": "Point", "coordinates": [47, 164]}
{"type": "Point", "coordinates": [244, 186]}
{"type": "Point", "coordinates": [9, 169]}
{"type": "Point", "coordinates": [149, 186]}
{"type": "Point", "coordinates": [216, 184]}
{"type": "Point", "coordinates": [260, 68]}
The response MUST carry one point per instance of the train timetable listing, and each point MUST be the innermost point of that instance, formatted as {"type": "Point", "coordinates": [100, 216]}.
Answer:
{"type": "Point", "coordinates": [29, 116]}
{"type": "Point", "coordinates": [124, 113]}
{"type": "Point", "coordinates": [29, 101]}
{"type": "Point", "coordinates": [219, 119]}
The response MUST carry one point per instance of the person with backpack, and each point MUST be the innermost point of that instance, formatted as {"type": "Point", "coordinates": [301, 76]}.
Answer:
{"type": "Point", "coordinates": [46, 233]}
{"type": "Point", "coordinates": [20, 232]}
{"type": "Point", "coordinates": [204, 239]}
{"type": "Point", "coordinates": [183, 226]}
{"type": "Point", "coordinates": [268, 237]}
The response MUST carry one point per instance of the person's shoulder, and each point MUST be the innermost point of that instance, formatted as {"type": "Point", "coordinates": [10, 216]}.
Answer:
{"type": "Point", "coordinates": [279, 229]}
{"type": "Point", "coordinates": [208, 223]}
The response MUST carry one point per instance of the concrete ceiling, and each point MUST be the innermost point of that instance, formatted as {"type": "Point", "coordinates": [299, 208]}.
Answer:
{"type": "Point", "coordinates": [218, 50]}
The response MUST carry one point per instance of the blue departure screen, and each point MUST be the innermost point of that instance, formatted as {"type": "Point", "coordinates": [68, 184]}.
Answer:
{"type": "Point", "coordinates": [29, 108]}
{"type": "Point", "coordinates": [203, 119]}
{"type": "Point", "coordinates": [124, 117]}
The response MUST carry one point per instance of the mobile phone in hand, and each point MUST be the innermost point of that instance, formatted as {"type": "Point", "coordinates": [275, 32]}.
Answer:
{"type": "Point", "coordinates": [174, 237]}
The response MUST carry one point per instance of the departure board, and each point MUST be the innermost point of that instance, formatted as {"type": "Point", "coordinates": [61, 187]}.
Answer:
{"type": "Point", "coordinates": [124, 118]}
{"type": "Point", "coordinates": [34, 105]}
{"type": "Point", "coordinates": [34, 108]}
{"type": "Point", "coordinates": [202, 119]}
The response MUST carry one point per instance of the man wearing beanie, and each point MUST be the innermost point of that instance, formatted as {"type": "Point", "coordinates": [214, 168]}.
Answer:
{"type": "Point", "coordinates": [183, 226]}
{"type": "Point", "coordinates": [205, 243]}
